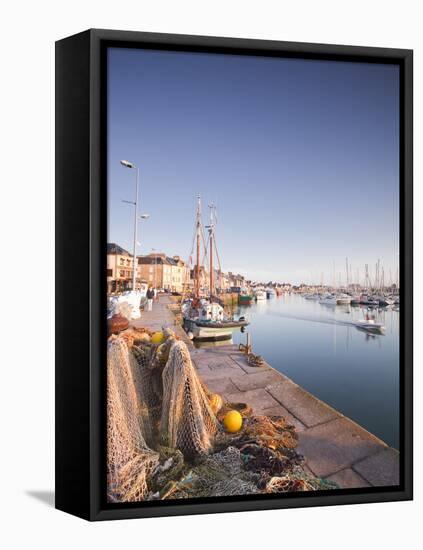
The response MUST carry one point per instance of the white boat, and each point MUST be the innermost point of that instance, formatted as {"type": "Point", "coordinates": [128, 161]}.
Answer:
{"type": "Point", "coordinates": [260, 295]}
{"type": "Point", "coordinates": [342, 298]}
{"type": "Point", "coordinates": [383, 300]}
{"type": "Point", "coordinates": [328, 300]}
{"type": "Point", "coordinates": [370, 325]}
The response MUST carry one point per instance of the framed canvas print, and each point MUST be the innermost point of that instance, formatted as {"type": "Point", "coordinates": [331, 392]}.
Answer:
{"type": "Point", "coordinates": [234, 274]}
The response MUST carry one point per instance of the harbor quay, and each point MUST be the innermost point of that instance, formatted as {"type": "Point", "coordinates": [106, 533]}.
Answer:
{"type": "Point", "coordinates": [334, 446]}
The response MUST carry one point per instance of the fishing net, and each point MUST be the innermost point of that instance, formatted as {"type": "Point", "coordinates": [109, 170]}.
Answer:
{"type": "Point", "coordinates": [298, 481]}
{"type": "Point", "coordinates": [129, 458]}
{"type": "Point", "coordinates": [165, 442]}
{"type": "Point", "coordinates": [154, 396]}
{"type": "Point", "coordinates": [271, 431]}
{"type": "Point", "coordinates": [219, 474]}
{"type": "Point", "coordinates": [188, 422]}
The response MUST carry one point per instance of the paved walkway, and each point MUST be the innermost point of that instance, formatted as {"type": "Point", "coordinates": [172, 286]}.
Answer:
{"type": "Point", "coordinates": [335, 447]}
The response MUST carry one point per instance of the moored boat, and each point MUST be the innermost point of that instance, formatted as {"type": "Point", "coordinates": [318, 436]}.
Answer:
{"type": "Point", "coordinates": [383, 301]}
{"type": "Point", "coordinates": [315, 296]}
{"type": "Point", "coordinates": [343, 299]}
{"type": "Point", "coordinates": [260, 295]}
{"type": "Point", "coordinates": [204, 318]}
{"type": "Point", "coordinates": [367, 300]}
{"type": "Point", "coordinates": [206, 321]}
{"type": "Point", "coordinates": [270, 293]}
{"type": "Point", "coordinates": [245, 299]}
{"type": "Point", "coordinates": [328, 300]}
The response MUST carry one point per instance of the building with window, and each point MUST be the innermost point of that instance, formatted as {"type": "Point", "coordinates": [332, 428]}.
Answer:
{"type": "Point", "coordinates": [119, 269]}
{"type": "Point", "coordinates": [162, 271]}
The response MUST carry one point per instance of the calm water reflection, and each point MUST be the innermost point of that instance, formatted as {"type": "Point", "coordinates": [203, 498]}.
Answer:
{"type": "Point", "coordinates": [356, 373]}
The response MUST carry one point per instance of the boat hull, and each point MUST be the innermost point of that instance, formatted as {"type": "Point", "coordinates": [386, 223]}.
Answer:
{"type": "Point", "coordinates": [212, 332]}
{"type": "Point", "coordinates": [374, 328]}
{"type": "Point", "coordinates": [343, 301]}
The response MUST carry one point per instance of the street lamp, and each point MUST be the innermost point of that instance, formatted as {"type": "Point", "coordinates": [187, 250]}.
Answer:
{"type": "Point", "coordinates": [128, 164]}
{"type": "Point", "coordinates": [155, 267]}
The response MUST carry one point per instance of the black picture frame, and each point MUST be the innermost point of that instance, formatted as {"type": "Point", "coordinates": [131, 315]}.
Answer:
{"type": "Point", "coordinates": [81, 222]}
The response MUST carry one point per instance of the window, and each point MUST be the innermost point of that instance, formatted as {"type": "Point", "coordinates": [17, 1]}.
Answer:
{"type": "Point", "coordinates": [110, 272]}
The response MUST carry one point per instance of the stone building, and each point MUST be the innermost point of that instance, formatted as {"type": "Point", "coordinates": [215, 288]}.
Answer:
{"type": "Point", "coordinates": [162, 271]}
{"type": "Point", "coordinates": [119, 268]}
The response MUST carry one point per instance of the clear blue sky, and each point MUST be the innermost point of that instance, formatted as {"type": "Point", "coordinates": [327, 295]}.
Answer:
{"type": "Point", "coordinates": [301, 158]}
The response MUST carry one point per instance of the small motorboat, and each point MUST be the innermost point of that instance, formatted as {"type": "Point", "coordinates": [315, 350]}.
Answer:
{"type": "Point", "coordinates": [370, 325]}
{"type": "Point", "coordinates": [260, 295]}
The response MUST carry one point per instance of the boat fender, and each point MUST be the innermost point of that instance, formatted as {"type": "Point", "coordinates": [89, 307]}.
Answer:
{"type": "Point", "coordinates": [190, 335]}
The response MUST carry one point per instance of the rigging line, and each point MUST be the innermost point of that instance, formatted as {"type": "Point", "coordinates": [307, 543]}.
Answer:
{"type": "Point", "coordinates": [202, 236]}
{"type": "Point", "coordinates": [193, 240]}
{"type": "Point", "coordinates": [206, 246]}
{"type": "Point", "coordinates": [205, 257]}
{"type": "Point", "coordinates": [217, 254]}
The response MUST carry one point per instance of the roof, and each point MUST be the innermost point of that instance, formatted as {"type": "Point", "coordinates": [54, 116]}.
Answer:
{"type": "Point", "coordinates": [113, 248]}
{"type": "Point", "coordinates": [171, 261]}
{"type": "Point", "coordinates": [153, 260]}
{"type": "Point", "coordinates": [159, 259]}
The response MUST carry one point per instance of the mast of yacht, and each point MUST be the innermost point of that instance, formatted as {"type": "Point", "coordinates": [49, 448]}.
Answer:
{"type": "Point", "coordinates": [346, 266]}
{"type": "Point", "coordinates": [197, 266]}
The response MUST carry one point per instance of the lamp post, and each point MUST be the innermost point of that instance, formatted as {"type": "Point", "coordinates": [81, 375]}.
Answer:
{"type": "Point", "coordinates": [155, 267]}
{"type": "Point", "coordinates": [128, 164]}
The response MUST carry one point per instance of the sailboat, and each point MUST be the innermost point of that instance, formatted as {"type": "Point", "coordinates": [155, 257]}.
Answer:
{"type": "Point", "coordinates": [204, 317]}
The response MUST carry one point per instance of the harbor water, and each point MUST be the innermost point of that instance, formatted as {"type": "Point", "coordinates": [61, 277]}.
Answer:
{"type": "Point", "coordinates": [319, 348]}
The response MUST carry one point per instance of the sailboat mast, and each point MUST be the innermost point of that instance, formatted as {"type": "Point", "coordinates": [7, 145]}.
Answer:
{"type": "Point", "coordinates": [197, 266]}
{"type": "Point", "coordinates": [211, 250]}
{"type": "Point", "coordinates": [346, 265]}
{"type": "Point", "coordinates": [211, 264]}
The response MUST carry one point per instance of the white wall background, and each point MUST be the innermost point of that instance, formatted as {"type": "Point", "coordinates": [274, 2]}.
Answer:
{"type": "Point", "coordinates": [28, 32]}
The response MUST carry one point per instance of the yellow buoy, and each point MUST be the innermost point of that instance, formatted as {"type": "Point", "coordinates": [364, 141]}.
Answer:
{"type": "Point", "coordinates": [232, 421]}
{"type": "Point", "coordinates": [157, 338]}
